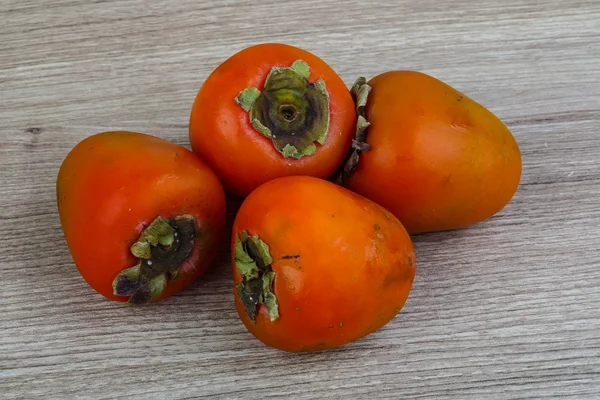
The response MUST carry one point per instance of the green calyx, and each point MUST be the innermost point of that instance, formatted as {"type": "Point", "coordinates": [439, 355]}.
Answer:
{"type": "Point", "coordinates": [360, 92]}
{"type": "Point", "coordinates": [253, 261]}
{"type": "Point", "coordinates": [161, 249]}
{"type": "Point", "coordinates": [290, 110]}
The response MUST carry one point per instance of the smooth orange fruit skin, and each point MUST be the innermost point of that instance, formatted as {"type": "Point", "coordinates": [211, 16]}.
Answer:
{"type": "Point", "coordinates": [113, 184]}
{"type": "Point", "coordinates": [343, 265]}
{"type": "Point", "coordinates": [438, 160]}
{"type": "Point", "coordinates": [221, 133]}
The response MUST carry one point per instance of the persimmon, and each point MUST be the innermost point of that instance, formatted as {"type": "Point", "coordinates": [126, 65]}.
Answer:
{"type": "Point", "coordinates": [142, 217]}
{"type": "Point", "coordinates": [316, 266]}
{"type": "Point", "coordinates": [271, 110]}
{"type": "Point", "coordinates": [432, 156]}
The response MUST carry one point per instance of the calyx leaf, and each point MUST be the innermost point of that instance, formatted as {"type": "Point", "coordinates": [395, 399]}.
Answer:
{"type": "Point", "coordinates": [291, 111]}
{"type": "Point", "coordinates": [253, 260]}
{"type": "Point", "coordinates": [161, 249]}
{"type": "Point", "coordinates": [360, 92]}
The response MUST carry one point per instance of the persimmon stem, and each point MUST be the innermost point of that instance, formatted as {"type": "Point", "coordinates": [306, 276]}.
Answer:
{"type": "Point", "coordinates": [290, 110]}
{"type": "Point", "coordinates": [161, 249]}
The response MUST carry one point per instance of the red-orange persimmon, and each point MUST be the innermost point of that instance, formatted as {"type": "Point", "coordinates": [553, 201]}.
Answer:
{"type": "Point", "coordinates": [316, 266]}
{"type": "Point", "coordinates": [438, 160]}
{"type": "Point", "coordinates": [272, 110]}
{"type": "Point", "coordinates": [143, 217]}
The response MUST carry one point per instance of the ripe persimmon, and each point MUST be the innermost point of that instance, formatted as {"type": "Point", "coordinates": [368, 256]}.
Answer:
{"type": "Point", "coordinates": [432, 156]}
{"type": "Point", "coordinates": [271, 110]}
{"type": "Point", "coordinates": [142, 217]}
{"type": "Point", "coordinates": [317, 266]}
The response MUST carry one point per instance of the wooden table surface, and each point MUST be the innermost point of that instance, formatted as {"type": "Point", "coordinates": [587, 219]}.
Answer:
{"type": "Point", "coordinates": [508, 308]}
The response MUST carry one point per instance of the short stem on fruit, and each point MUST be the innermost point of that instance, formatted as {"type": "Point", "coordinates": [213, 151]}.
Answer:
{"type": "Point", "coordinates": [253, 261]}
{"type": "Point", "coordinates": [161, 249]}
{"type": "Point", "coordinates": [290, 110]}
{"type": "Point", "coordinates": [360, 93]}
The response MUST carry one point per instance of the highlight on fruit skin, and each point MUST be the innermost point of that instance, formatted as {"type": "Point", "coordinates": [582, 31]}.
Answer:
{"type": "Point", "coordinates": [271, 110]}
{"type": "Point", "coordinates": [317, 266]}
{"type": "Point", "coordinates": [432, 156]}
{"type": "Point", "coordinates": [143, 217]}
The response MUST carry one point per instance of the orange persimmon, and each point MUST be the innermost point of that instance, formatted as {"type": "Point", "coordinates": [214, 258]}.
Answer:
{"type": "Point", "coordinates": [142, 217]}
{"type": "Point", "coordinates": [271, 110]}
{"type": "Point", "coordinates": [432, 156]}
{"type": "Point", "coordinates": [316, 266]}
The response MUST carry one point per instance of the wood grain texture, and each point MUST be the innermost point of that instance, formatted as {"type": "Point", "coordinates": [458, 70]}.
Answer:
{"type": "Point", "coordinates": [508, 308]}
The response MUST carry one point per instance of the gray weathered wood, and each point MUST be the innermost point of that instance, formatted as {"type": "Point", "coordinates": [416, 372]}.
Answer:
{"type": "Point", "coordinates": [508, 308]}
